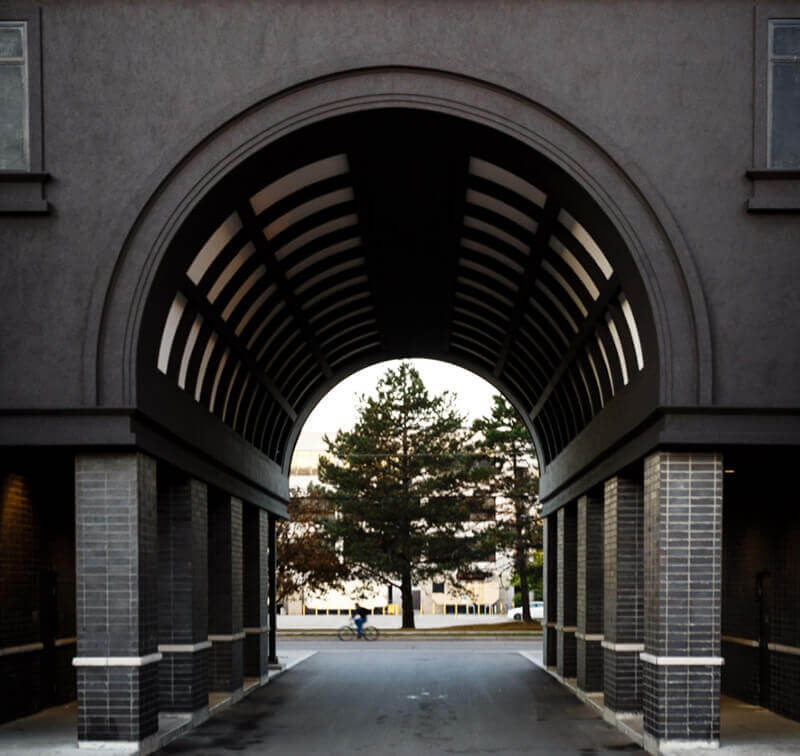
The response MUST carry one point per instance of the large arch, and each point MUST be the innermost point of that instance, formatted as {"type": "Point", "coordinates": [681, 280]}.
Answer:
{"type": "Point", "coordinates": [589, 176]}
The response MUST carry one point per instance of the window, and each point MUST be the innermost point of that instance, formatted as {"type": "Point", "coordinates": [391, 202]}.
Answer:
{"type": "Point", "coordinates": [784, 93]}
{"type": "Point", "coordinates": [775, 171]}
{"type": "Point", "coordinates": [22, 179]}
{"type": "Point", "coordinates": [14, 135]}
{"type": "Point", "coordinates": [438, 587]}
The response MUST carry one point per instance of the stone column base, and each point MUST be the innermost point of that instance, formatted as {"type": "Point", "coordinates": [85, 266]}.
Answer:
{"type": "Point", "coordinates": [589, 655]}
{"type": "Point", "coordinates": [226, 662]}
{"type": "Point", "coordinates": [183, 676]}
{"type": "Point", "coordinates": [117, 703]}
{"type": "Point", "coordinates": [550, 645]}
{"type": "Point", "coordinates": [622, 677]}
{"type": "Point", "coordinates": [256, 651]}
{"type": "Point", "coordinates": [566, 665]}
{"type": "Point", "coordinates": [681, 701]}
{"type": "Point", "coordinates": [657, 747]}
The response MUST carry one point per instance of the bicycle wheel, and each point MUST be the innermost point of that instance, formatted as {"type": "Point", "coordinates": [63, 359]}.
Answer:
{"type": "Point", "coordinates": [346, 633]}
{"type": "Point", "coordinates": [370, 633]}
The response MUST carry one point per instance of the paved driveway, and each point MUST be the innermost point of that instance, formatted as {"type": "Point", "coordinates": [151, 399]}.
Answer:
{"type": "Point", "coordinates": [424, 697]}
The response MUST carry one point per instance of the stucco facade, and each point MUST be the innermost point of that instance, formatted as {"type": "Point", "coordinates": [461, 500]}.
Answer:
{"type": "Point", "coordinates": [638, 299]}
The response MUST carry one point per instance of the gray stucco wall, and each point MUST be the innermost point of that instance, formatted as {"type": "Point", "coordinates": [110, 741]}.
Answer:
{"type": "Point", "coordinates": [130, 88]}
{"type": "Point", "coordinates": [125, 83]}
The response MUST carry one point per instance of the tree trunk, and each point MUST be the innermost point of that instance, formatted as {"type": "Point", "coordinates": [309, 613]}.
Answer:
{"type": "Point", "coordinates": [522, 568]}
{"type": "Point", "coordinates": [522, 552]}
{"type": "Point", "coordinates": [408, 600]}
{"type": "Point", "coordinates": [522, 559]}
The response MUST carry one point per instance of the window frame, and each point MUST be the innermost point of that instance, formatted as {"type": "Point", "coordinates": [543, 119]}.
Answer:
{"type": "Point", "coordinates": [772, 58]}
{"type": "Point", "coordinates": [22, 189]}
{"type": "Point", "coordinates": [775, 190]}
{"type": "Point", "coordinates": [26, 130]}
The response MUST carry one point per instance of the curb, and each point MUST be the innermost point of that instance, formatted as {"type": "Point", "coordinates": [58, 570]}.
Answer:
{"type": "Point", "coordinates": [436, 635]}
{"type": "Point", "coordinates": [589, 699]}
{"type": "Point", "coordinates": [182, 728]}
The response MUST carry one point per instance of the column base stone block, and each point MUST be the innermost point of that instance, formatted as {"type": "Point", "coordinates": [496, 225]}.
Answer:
{"type": "Point", "coordinates": [256, 653]}
{"type": "Point", "coordinates": [681, 704]}
{"type": "Point", "coordinates": [226, 664]}
{"type": "Point", "coordinates": [118, 704]}
{"type": "Point", "coordinates": [567, 664]}
{"type": "Point", "coordinates": [589, 665]}
{"type": "Point", "coordinates": [622, 681]}
{"type": "Point", "coordinates": [550, 646]}
{"type": "Point", "coordinates": [657, 747]}
{"type": "Point", "coordinates": [183, 681]}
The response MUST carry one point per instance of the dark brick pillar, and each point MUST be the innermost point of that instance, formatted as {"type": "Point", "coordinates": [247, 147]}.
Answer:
{"type": "Point", "coordinates": [683, 566]}
{"type": "Point", "coordinates": [566, 662]}
{"type": "Point", "coordinates": [272, 580]}
{"type": "Point", "coordinates": [20, 645]}
{"type": "Point", "coordinates": [115, 500]}
{"type": "Point", "coordinates": [182, 592]}
{"type": "Point", "coordinates": [781, 602]}
{"type": "Point", "coordinates": [225, 629]}
{"type": "Point", "coordinates": [550, 580]}
{"type": "Point", "coordinates": [623, 595]}
{"type": "Point", "coordinates": [589, 634]}
{"type": "Point", "coordinates": [256, 621]}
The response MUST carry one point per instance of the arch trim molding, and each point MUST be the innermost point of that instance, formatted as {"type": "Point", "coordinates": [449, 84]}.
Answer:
{"type": "Point", "coordinates": [627, 197]}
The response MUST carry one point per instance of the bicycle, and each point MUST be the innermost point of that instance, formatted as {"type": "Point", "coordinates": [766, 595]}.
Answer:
{"type": "Point", "coordinates": [349, 632]}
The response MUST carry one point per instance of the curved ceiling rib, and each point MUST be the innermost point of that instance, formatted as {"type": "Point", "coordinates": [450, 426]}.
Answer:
{"type": "Point", "coordinates": [391, 234]}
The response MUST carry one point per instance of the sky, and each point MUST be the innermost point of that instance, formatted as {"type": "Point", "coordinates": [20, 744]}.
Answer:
{"type": "Point", "coordinates": [338, 407]}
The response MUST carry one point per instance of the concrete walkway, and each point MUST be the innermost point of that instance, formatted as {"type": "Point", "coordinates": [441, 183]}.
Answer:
{"type": "Point", "coordinates": [53, 732]}
{"type": "Point", "coordinates": [745, 730]}
{"type": "Point", "coordinates": [409, 699]}
{"type": "Point", "coordinates": [465, 696]}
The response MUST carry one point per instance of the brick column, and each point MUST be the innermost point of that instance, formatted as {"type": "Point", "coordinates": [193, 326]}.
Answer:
{"type": "Point", "coordinates": [566, 662]}
{"type": "Point", "coordinates": [117, 606]}
{"type": "Point", "coordinates": [623, 595]}
{"type": "Point", "coordinates": [225, 629]}
{"type": "Point", "coordinates": [550, 588]}
{"type": "Point", "coordinates": [182, 592]}
{"type": "Point", "coordinates": [256, 621]}
{"type": "Point", "coordinates": [683, 567]}
{"type": "Point", "coordinates": [272, 581]}
{"type": "Point", "coordinates": [589, 634]}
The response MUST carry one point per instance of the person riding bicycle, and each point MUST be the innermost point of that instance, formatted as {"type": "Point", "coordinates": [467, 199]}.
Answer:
{"type": "Point", "coordinates": [360, 615]}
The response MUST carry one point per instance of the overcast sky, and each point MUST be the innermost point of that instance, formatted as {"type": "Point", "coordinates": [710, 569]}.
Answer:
{"type": "Point", "coordinates": [338, 408]}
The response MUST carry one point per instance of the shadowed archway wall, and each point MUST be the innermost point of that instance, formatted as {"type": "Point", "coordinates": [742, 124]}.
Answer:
{"type": "Point", "coordinates": [553, 256]}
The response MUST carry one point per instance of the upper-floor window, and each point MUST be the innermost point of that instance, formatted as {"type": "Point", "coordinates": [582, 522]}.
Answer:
{"type": "Point", "coordinates": [784, 93]}
{"type": "Point", "coordinates": [14, 102]}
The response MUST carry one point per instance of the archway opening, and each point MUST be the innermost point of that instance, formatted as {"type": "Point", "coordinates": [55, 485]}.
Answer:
{"type": "Point", "coordinates": [480, 440]}
{"type": "Point", "coordinates": [393, 233]}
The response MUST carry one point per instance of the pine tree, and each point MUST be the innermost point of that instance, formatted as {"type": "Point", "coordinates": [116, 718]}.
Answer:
{"type": "Point", "coordinates": [510, 475]}
{"type": "Point", "coordinates": [398, 483]}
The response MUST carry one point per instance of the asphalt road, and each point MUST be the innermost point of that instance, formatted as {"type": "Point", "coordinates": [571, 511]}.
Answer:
{"type": "Point", "coordinates": [408, 697]}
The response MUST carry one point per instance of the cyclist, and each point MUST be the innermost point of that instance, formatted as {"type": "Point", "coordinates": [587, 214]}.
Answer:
{"type": "Point", "coordinates": [360, 614]}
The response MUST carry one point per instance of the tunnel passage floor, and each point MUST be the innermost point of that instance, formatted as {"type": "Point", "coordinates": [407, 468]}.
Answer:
{"type": "Point", "coordinates": [423, 697]}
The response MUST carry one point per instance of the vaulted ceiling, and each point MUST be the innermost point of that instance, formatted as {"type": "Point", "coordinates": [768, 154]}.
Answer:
{"type": "Point", "coordinates": [396, 233]}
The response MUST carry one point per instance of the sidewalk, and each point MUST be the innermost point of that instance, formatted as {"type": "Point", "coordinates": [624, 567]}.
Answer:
{"type": "Point", "coordinates": [745, 730]}
{"type": "Point", "coordinates": [53, 732]}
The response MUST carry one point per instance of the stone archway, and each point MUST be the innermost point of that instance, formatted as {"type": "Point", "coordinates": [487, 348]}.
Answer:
{"type": "Point", "coordinates": [632, 210]}
{"type": "Point", "coordinates": [284, 208]}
